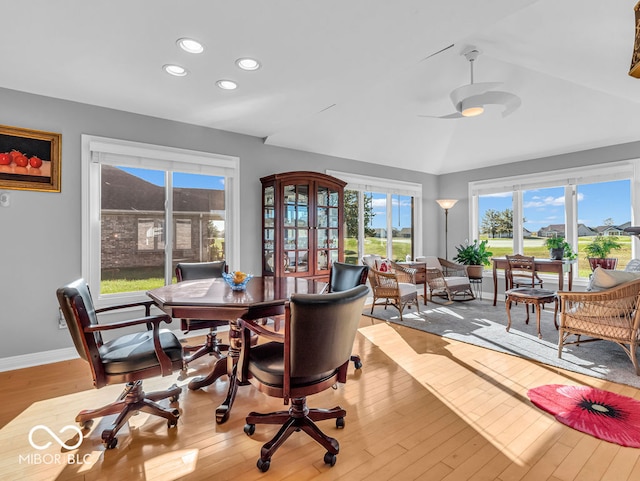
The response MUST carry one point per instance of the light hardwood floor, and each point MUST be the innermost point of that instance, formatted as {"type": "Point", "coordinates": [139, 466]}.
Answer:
{"type": "Point", "coordinates": [422, 408]}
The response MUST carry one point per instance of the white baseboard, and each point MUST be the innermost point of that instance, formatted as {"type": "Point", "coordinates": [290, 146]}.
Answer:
{"type": "Point", "coordinates": [37, 359]}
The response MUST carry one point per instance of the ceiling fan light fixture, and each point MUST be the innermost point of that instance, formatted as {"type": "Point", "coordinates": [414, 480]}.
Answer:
{"type": "Point", "coordinates": [472, 111]}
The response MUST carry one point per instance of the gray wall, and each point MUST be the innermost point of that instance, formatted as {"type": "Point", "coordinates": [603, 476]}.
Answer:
{"type": "Point", "coordinates": [40, 233]}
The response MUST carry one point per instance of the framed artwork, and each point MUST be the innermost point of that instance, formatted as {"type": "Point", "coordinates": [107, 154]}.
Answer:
{"type": "Point", "coordinates": [29, 159]}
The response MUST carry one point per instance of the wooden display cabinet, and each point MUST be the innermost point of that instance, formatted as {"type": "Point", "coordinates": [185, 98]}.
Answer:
{"type": "Point", "coordinates": [302, 224]}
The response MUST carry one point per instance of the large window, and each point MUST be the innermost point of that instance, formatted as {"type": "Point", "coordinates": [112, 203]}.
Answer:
{"type": "Point", "coordinates": [382, 217]}
{"type": "Point", "coordinates": [146, 208]}
{"type": "Point", "coordinates": [517, 214]}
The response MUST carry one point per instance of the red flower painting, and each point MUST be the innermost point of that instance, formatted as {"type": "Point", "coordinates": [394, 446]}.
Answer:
{"type": "Point", "coordinates": [603, 414]}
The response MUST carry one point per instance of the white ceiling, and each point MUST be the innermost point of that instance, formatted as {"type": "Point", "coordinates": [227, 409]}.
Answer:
{"type": "Point", "coordinates": [347, 78]}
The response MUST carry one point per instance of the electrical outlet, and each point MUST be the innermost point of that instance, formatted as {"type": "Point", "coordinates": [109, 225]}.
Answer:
{"type": "Point", "coordinates": [62, 322]}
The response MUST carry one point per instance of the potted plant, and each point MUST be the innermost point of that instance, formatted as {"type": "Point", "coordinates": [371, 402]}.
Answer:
{"type": "Point", "coordinates": [559, 248]}
{"type": "Point", "coordinates": [599, 249]}
{"type": "Point", "coordinates": [475, 256]}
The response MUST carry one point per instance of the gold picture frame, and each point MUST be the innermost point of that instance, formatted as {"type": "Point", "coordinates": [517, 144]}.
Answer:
{"type": "Point", "coordinates": [634, 71]}
{"type": "Point", "coordinates": [40, 150]}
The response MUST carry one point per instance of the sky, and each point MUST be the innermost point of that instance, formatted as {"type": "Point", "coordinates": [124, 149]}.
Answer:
{"type": "Point", "coordinates": [542, 207]}
{"type": "Point", "coordinates": [180, 179]}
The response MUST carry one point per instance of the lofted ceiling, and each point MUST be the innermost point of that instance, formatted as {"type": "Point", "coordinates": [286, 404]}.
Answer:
{"type": "Point", "coordinates": [344, 78]}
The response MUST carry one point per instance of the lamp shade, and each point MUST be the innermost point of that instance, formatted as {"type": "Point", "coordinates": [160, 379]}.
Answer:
{"type": "Point", "coordinates": [447, 203]}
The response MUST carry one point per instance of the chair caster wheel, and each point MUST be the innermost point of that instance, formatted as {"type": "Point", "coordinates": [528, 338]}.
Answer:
{"type": "Point", "coordinates": [340, 423]}
{"type": "Point", "coordinates": [330, 459]}
{"type": "Point", "coordinates": [249, 429]}
{"type": "Point", "coordinates": [263, 465]}
{"type": "Point", "coordinates": [358, 364]}
{"type": "Point", "coordinates": [111, 443]}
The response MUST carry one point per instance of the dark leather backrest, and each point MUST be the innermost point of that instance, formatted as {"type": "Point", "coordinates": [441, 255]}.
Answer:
{"type": "Point", "coordinates": [191, 271]}
{"type": "Point", "coordinates": [346, 276]}
{"type": "Point", "coordinates": [323, 328]}
{"type": "Point", "coordinates": [77, 307]}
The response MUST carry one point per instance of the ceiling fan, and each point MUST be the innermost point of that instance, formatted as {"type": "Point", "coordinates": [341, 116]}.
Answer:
{"type": "Point", "coordinates": [470, 100]}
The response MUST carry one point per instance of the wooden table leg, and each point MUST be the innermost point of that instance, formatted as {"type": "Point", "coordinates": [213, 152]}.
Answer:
{"type": "Point", "coordinates": [495, 283]}
{"type": "Point", "coordinates": [538, 318]}
{"type": "Point", "coordinates": [508, 304]}
{"type": "Point", "coordinates": [235, 342]}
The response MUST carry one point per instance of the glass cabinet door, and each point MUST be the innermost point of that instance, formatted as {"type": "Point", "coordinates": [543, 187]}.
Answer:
{"type": "Point", "coordinates": [327, 227]}
{"type": "Point", "coordinates": [269, 228]}
{"type": "Point", "coordinates": [296, 228]}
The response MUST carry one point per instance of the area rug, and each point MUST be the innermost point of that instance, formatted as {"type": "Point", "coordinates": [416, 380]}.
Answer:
{"type": "Point", "coordinates": [603, 414]}
{"type": "Point", "coordinates": [478, 322]}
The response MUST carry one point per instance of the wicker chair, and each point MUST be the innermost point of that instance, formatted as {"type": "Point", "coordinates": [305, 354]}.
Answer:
{"type": "Point", "coordinates": [396, 287]}
{"type": "Point", "coordinates": [609, 315]}
{"type": "Point", "coordinates": [448, 280]}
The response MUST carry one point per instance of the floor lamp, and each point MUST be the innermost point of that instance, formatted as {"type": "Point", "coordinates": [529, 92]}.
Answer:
{"type": "Point", "coordinates": [446, 204]}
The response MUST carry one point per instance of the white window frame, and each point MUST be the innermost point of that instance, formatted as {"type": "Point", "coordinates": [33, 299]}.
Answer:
{"type": "Point", "coordinates": [97, 151]}
{"type": "Point", "coordinates": [570, 179]}
{"type": "Point", "coordinates": [364, 183]}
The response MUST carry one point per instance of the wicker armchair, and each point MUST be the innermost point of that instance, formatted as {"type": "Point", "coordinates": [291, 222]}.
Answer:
{"type": "Point", "coordinates": [396, 287]}
{"type": "Point", "coordinates": [609, 315]}
{"type": "Point", "coordinates": [448, 280]}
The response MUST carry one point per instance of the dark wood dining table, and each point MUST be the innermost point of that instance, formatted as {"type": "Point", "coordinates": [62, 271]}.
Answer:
{"type": "Point", "coordinates": [214, 299]}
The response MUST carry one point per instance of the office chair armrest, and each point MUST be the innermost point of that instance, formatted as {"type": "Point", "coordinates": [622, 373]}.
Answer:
{"type": "Point", "coordinates": [261, 331]}
{"type": "Point", "coordinates": [154, 322]}
{"type": "Point", "coordinates": [147, 307]}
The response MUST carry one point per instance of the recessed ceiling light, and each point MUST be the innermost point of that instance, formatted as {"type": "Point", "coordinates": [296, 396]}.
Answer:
{"type": "Point", "coordinates": [248, 64]}
{"type": "Point", "coordinates": [190, 45]}
{"type": "Point", "coordinates": [175, 70]}
{"type": "Point", "coordinates": [227, 84]}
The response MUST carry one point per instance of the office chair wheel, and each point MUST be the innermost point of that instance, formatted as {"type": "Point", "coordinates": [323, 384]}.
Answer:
{"type": "Point", "coordinates": [340, 423]}
{"type": "Point", "coordinates": [263, 465]}
{"type": "Point", "coordinates": [175, 398]}
{"type": "Point", "coordinates": [358, 364]}
{"type": "Point", "coordinates": [330, 459]}
{"type": "Point", "coordinates": [111, 443]}
{"type": "Point", "coordinates": [249, 429]}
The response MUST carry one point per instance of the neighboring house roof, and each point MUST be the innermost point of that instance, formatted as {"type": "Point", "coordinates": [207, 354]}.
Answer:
{"type": "Point", "coordinates": [128, 192]}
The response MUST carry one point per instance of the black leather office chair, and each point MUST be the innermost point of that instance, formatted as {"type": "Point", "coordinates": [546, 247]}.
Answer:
{"type": "Point", "coordinates": [190, 271]}
{"type": "Point", "coordinates": [347, 276]}
{"type": "Point", "coordinates": [313, 354]}
{"type": "Point", "coordinates": [129, 358]}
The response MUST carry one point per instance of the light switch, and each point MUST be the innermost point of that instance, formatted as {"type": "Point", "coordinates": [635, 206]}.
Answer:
{"type": "Point", "coordinates": [5, 199]}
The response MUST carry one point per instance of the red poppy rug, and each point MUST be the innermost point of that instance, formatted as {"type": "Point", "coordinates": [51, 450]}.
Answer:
{"type": "Point", "coordinates": [603, 414]}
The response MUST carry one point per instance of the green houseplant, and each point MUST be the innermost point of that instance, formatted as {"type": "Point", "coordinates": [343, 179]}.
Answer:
{"type": "Point", "coordinates": [475, 256]}
{"type": "Point", "coordinates": [559, 248]}
{"type": "Point", "coordinates": [599, 250]}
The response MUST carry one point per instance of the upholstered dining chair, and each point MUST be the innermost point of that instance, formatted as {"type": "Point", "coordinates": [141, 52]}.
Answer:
{"type": "Point", "coordinates": [447, 279]}
{"type": "Point", "coordinates": [313, 355]}
{"type": "Point", "coordinates": [394, 287]}
{"type": "Point", "coordinates": [342, 277]}
{"type": "Point", "coordinates": [190, 271]}
{"type": "Point", "coordinates": [129, 358]}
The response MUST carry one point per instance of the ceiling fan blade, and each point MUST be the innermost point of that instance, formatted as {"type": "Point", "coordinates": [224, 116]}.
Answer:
{"type": "Point", "coordinates": [455, 115]}
{"type": "Point", "coordinates": [466, 91]}
{"type": "Point", "coordinates": [510, 101]}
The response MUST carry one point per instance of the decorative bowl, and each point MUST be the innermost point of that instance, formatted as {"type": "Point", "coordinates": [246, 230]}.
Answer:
{"type": "Point", "coordinates": [234, 286]}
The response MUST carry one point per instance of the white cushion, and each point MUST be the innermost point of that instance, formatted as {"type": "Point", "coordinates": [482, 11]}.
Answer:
{"type": "Point", "coordinates": [432, 262]}
{"type": "Point", "coordinates": [602, 279]}
{"type": "Point", "coordinates": [406, 288]}
{"type": "Point", "coordinates": [456, 281]}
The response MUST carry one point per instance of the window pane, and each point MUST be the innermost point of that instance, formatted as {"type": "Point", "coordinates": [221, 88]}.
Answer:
{"type": "Point", "coordinates": [402, 227]}
{"type": "Point", "coordinates": [495, 217]}
{"type": "Point", "coordinates": [351, 244]}
{"type": "Point", "coordinates": [604, 208]}
{"type": "Point", "coordinates": [198, 217]}
{"type": "Point", "coordinates": [132, 229]}
{"type": "Point", "coordinates": [543, 211]}
{"type": "Point", "coordinates": [376, 228]}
